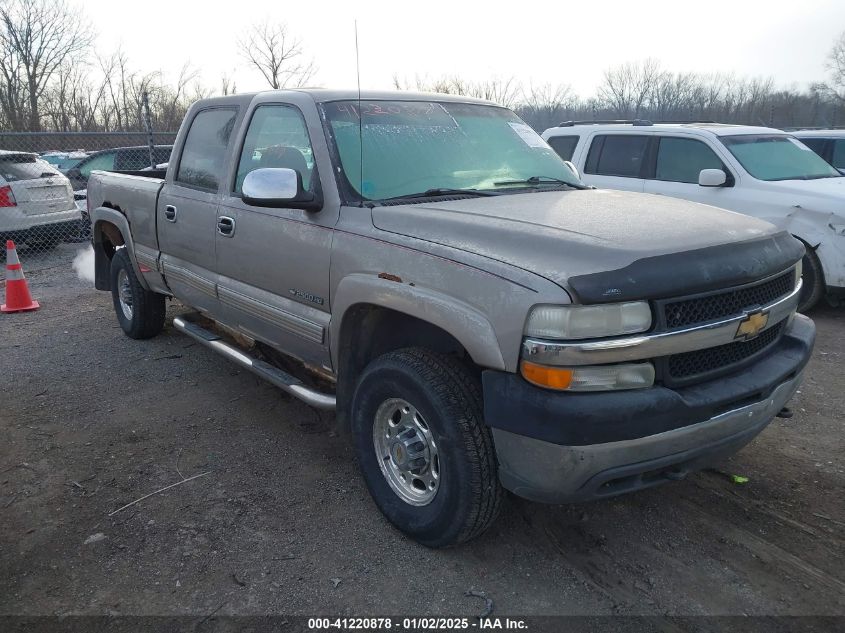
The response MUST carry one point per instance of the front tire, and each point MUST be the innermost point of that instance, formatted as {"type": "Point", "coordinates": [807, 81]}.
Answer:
{"type": "Point", "coordinates": [812, 276]}
{"type": "Point", "coordinates": [140, 312]}
{"type": "Point", "coordinates": [424, 451]}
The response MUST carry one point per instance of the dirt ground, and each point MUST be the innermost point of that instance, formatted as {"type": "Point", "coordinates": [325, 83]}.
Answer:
{"type": "Point", "coordinates": [279, 522]}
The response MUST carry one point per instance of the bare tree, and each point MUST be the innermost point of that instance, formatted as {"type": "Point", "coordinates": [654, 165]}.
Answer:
{"type": "Point", "coordinates": [277, 55]}
{"type": "Point", "coordinates": [36, 38]}
{"type": "Point", "coordinates": [502, 90]}
{"type": "Point", "coordinates": [628, 88]}
{"type": "Point", "coordinates": [227, 85]}
{"type": "Point", "coordinates": [546, 105]}
{"type": "Point", "coordinates": [836, 66]}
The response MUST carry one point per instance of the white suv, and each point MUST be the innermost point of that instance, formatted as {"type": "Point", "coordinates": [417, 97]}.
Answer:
{"type": "Point", "coordinates": [36, 201]}
{"type": "Point", "coordinates": [757, 171]}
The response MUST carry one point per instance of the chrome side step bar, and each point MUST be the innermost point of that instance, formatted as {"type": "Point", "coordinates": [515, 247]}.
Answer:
{"type": "Point", "coordinates": [281, 379]}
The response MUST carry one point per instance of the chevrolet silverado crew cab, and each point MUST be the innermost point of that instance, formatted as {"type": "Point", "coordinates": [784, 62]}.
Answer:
{"type": "Point", "coordinates": [479, 319]}
{"type": "Point", "coordinates": [757, 171]}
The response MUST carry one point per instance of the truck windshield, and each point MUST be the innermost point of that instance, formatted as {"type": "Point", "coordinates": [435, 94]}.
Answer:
{"type": "Point", "coordinates": [414, 147]}
{"type": "Point", "coordinates": [777, 157]}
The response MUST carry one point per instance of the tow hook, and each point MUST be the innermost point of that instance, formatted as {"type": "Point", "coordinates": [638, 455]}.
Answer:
{"type": "Point", "coordinates": [786, 413]}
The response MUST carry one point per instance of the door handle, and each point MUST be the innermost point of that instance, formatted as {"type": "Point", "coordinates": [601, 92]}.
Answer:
{"type": "Point", "coordinates": [170, 213]}
{"type": "Point", "coordinates": [226, 226]}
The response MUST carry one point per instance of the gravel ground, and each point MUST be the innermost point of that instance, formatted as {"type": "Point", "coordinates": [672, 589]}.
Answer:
{"type": "Point", "coordinates": [279, 522]}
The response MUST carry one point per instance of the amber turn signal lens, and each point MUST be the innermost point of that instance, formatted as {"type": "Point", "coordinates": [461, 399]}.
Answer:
{"type": "Point", "coordinates": [543, 376]}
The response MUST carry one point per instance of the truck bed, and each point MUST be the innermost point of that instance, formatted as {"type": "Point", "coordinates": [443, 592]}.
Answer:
{"type": "Point", "coordinates": [133, 194]}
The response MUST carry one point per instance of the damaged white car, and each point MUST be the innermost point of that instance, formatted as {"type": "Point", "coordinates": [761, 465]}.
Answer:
{"type": "Point", "coordinates": [757, 171]}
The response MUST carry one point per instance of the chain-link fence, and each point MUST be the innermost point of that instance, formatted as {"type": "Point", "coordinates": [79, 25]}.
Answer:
{"type": "Point", "coordinates": [43, 186]}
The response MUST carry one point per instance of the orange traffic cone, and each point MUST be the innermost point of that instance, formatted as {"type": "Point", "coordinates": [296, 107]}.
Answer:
{"type": "Point", "coordinates": [17, 292]}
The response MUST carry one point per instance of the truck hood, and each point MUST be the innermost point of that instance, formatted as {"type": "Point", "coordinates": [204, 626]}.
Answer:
{"type": "Point", "coordinates": [565, 234]}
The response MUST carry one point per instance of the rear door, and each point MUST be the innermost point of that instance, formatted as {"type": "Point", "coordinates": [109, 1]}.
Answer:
{"type": "Point", "coordinates": [187, 209]}
{"type": "Point", "coordinates": [678, 162]}
{"type": "Point", "coordinates": [617, 161]}
{"type": "Point", "coordinates": [273, 263]}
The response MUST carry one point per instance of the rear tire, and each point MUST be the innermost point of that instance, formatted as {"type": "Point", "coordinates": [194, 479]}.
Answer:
{"type": "Point", "coordinates": [812, 277]}
{"type": "Point", "coordinates": [430, 405]}
{"type": "Point", "coordinates": [140, 312]}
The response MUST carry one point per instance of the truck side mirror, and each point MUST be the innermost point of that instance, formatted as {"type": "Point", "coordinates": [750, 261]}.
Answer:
{"type": "Point", "coordinates": [712, 178]}
{"type": "Point", "coordinates": [572, 168]}
{"type": "Point", "coordinates": [278, 187]}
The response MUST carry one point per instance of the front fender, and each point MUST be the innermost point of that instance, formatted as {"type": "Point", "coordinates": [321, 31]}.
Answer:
{"type": "Point", "coordinates": [102, 261]}
{"type": "Point", "coordinates": [470, 327]}
{"type": "Point", "coordinates": [818, 230]}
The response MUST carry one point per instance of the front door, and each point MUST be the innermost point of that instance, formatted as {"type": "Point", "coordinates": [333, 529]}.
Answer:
{"type": "Point", "coordinates": [273, 263]}
{"type": "Point", "coordinates": [187, 210]}
{"type": "Point", "coordinates": [679, 162]}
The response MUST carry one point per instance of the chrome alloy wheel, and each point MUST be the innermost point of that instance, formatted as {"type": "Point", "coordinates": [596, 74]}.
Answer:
{"type": "Point", "coordinates": [124, 293]}
{"type": "Point", "coordinates": [406, 452]}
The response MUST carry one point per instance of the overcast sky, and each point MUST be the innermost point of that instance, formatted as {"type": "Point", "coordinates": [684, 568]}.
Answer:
{"type": "Point", "coordinates": [556, 42]}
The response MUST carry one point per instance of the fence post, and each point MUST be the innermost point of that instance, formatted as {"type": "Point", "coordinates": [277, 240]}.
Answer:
{"type": "Point", "coordinates": [148, 123]}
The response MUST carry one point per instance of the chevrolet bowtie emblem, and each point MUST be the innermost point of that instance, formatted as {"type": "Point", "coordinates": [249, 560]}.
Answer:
{"type": "Point", "coordinates": [752, 325]}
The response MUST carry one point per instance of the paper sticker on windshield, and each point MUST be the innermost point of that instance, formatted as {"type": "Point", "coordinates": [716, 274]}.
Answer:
{"type": "Point", "coordinates": [800, 145]}
{"type": "Point", "coordinates": [531, 138]}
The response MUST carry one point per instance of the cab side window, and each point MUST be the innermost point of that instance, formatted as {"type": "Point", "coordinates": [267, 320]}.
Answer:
{"type": "Point", "coordinates": [276, 138]}
{"type": "Point", "coordinates": [564, 145]}
{"type": "Point", "coordinates": [617, 155]}
{"type": "Point", "coordinates": [681, 160]}
{"type": "Point", "coordinates": [204, 153]}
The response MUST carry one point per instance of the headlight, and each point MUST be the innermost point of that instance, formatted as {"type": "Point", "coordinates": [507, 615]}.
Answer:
{"type": "Point", "coordinates": [595, 321]}
{"type": "Point", "coordinates": [590, 378]}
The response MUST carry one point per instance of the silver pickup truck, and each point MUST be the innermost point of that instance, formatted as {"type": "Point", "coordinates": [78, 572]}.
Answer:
{"type": "Point", "coordinates": [427, 266]}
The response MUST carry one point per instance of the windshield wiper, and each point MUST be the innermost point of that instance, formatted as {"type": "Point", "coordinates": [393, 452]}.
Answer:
{"type": "Point", "coordinates": [443, 191]}
{"type": "Point", "coordinates": [539, 180]}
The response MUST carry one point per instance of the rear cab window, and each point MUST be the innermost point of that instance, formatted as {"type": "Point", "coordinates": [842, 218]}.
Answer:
{"type": "Point", "coordinates": [564, 145]}
{"type": "Point", "coordinates": [617, 155]}
{"type": "Point", "coordinates": [17, 167]}
{"type": "Point", "coordinates": [204, 152]}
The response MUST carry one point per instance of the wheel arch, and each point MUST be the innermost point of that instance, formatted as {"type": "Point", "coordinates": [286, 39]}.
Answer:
{"type": "Point", "coordinates": [110, 231]}
{"type": "Point", "coordinates": [374, 316]}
